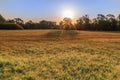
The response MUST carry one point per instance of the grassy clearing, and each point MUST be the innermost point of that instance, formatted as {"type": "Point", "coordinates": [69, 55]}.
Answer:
{"type": "Point", "coordinates": [72, 55]}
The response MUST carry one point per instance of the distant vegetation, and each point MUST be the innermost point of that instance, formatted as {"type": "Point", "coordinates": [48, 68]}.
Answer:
{"type": "Point", "coordinates": [100, 23]}
{"type": "Point", "coordinates": [10, 26]}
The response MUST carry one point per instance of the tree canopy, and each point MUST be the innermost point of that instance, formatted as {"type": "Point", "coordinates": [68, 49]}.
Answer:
{"type": "Point", "coordinates": [100, 23]}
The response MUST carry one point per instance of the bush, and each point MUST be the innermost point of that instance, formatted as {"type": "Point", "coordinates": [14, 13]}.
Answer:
{"type": "Point", "coordinates": [11, 26]}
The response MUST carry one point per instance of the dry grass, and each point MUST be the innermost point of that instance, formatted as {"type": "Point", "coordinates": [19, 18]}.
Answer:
{"type": "Point", "coordinates": [37, 35]}
{"type": "Point", "coordinates": [57, 55]}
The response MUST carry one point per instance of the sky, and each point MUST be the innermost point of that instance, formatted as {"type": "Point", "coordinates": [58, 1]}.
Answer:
{"type": "Point", "coordinates": [53, 9]}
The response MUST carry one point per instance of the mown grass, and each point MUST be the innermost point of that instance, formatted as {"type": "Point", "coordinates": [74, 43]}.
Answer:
{"type": "Point", "coordinates": [60, 59]}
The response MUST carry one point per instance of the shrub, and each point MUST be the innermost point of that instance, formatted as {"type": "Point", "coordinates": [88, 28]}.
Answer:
{"type": "Point", "coordinates": [11, 26]}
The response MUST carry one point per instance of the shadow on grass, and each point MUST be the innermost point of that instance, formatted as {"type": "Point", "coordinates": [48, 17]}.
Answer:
{"type": "Point", "coordinates": [61, 34]}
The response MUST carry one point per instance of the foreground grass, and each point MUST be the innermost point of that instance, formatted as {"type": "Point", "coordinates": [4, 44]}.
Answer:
{"type": "Point", "coordinates": [81, 59]}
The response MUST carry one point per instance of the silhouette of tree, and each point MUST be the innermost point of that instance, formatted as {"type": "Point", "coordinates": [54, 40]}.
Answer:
{"type": "Point", "coordinates": [61, 24]}
{"type": "Point", "coordinates": [18, 21]}
{"type": "Point", "coordinates": [10, 21]}
{"type": "Point", "coordinates": [66, 23]}
{"type": "Point", "coordinates": [101, 17]}
{"type": "Point", "coordinates": [102, 23]}
{"type": "Point", "coordinates": [83, 23]}
{"type": "Point", "coordinates": [29, 25]}
{"type": "Point", "coordinates": [118, 24]}
{"type": "Point", "coordinates": [94, 24]}
{"type": "Point", "coordinates": [86, 22]}
{"type": "Point", "coordinates": [2, 19]}
{"type": "Point", "coordinates": [11, 26]}
{"type": "Point", "coordinates": [79, 24]}
{"type": "Point", "coordinates": [118, 17]}
{"type": "Point", "coordinates": [112, 22]}
{"type": "Point", "coordinates": [41, 25]}
{"type": "Point", "coordinates": [47, 24]}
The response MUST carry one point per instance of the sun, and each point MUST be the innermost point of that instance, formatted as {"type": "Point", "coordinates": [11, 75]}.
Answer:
{"type": "Point", "coordinates": [68, 14]}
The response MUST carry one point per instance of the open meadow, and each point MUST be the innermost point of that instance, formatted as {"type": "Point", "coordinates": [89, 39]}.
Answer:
{"type": "Point", "coordinates": [59, 55]}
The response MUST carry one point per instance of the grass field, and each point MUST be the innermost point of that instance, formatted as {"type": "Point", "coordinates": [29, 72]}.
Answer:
{"type": "Point", "coordinates": [59, 55]}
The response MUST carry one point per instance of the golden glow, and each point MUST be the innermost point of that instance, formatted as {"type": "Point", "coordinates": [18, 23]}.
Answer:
{"type": "Point", "coordinates": [68, 14]}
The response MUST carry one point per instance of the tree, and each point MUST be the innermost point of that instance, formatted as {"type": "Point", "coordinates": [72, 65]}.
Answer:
{"type": "Point", "coordinates": [118, 22]}
{"type": "Point", "coordinates": [10, 21]}
{"type": "Point", "coordinates": [112, 22]}
{"type": "Point", "coordinates": [29, 25]}
{"type": "Point", "coordinates": [41, 25]}
{"type": "Point", "coordinates": [86, 22]}
{"type": "Point", "coordinates": [83, 23]}
{"type": "Point", "coordinates": [66, 24]}
{"type": "Point", "coordinates": [79, 24]}
{"type": "Point", "coordinates": [47, 24]}
{"type": "Point", "coordinates": [10, 26]}
{"type": "Point", "coordinates": [19, 21]}
{"type": "Point", "coordinates": [118, 18]}
{"type": "Point", "coordinates": [94, 24]}
{"type": "Point", "coordinates": [2, 19]}
{"type": "Point", "coordinates": [16, 21]}
{"type": "Point", "coordinates": [101, 17]}
{"type": "Point", "coordinates": [102, 24]}
{"type": "Point", "coordinates": [61, 24]}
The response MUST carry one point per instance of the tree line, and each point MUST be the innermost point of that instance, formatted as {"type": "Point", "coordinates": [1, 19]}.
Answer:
{"type": "Point", "coordinates": [100, 23]}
